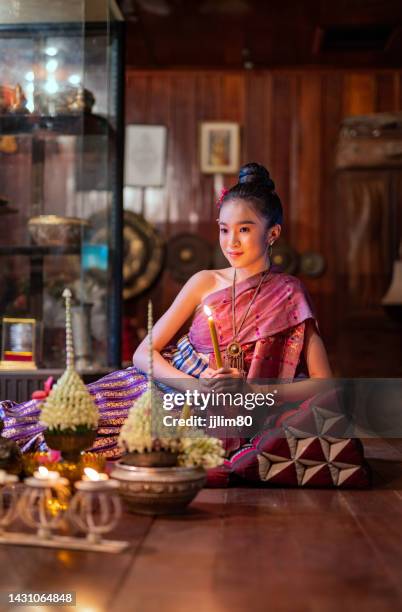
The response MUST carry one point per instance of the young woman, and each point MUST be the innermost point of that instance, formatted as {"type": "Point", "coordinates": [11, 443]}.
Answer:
{"type": "Point", "coordinates": [265, 324]}
{"type": "Point", "coordinates": [271, 312]}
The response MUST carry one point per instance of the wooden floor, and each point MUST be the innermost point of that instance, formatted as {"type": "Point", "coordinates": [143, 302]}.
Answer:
{"type": "Point", "coordinates": [242, 549]}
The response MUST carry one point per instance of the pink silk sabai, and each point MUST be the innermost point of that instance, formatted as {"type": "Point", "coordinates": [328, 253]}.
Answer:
{"type": "Point", "coordinates": [272, 335]}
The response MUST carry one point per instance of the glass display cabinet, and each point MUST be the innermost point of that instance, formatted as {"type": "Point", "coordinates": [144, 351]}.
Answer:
{"type": "Point", "coordinates": [61, 175]}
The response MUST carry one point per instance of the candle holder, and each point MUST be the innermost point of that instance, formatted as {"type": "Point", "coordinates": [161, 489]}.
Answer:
{"type": "Point", "coordinates": [8, 499]}
{"type": "Point", "coordinates": [44, 502]}
{"type": "Point", "coordinates": [96, 506]}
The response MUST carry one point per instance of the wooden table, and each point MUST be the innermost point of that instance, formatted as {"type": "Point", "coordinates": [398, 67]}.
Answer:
{"type": "Point", "coordinates": [242, 549]}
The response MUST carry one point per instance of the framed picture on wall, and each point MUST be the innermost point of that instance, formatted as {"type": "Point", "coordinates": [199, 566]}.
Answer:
{"type": "Point", "coordinates": [145, 155]}
{"type": "Point", "coordinates": [219, 147]}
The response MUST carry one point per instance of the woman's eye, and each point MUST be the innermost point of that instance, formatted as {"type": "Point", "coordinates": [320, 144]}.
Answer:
{"type": "Point", "coordinates": [223, 230]}
{"type": "Point", "coordinates": [244, 229]}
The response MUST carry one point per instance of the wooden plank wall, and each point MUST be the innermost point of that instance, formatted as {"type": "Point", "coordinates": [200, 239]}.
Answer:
{"type": "Point", "coordinates": [289, 121]}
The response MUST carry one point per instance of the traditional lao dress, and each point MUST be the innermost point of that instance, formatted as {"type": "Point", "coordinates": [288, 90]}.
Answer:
{"type": "Point", "coordinates": [272, 339]}
{"type": "Point", "coordinates": [301, 445]}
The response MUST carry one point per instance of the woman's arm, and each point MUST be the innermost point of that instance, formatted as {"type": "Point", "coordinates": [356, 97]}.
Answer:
{"type": "Point", "coordinates": [319, 370]}
{"type": "Point", "coordinates": [167, 326]}
{"type": "Point", "coordinates": [314, 352]}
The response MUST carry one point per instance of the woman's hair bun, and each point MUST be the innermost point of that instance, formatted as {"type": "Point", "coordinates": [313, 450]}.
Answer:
{"type": "Point", "coordinates": [258, 174]}
{"type": "Point", "coordinates": [256, 187]}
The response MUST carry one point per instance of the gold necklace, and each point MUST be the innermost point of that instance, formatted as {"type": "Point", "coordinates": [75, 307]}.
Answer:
{"type": "Point", "coordinates": [234, 354]}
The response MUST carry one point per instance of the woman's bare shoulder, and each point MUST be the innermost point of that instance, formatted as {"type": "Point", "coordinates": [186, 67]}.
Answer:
{"type": "Point", "coordinates": [208, 281]}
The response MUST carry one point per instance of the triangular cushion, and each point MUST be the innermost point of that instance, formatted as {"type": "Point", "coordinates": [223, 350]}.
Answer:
{"type": "Point", "coordinates": [310, 448]}
{"type": "Point", "coordinates": [283, 473]}
{"type": "Point", "coordinates": [345, 451]}
{"type": "Point", "coordinates": [278, 447]}
{"type": "Point", "coordinates": [317, 476]}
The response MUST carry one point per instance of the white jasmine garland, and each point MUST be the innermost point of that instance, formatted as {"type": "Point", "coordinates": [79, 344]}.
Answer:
{"type": "Point", "coordinates": [136, 432]}
{"type": "Point", "coordinates": [69, 405]}
{"type": "Point", "coordinates": [136, 435]}
{"type": "Point", "coordinates": [204, 451]}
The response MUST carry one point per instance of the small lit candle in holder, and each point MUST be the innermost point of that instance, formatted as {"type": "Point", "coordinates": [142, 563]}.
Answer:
{"type": "Point", "coordinates": [44, 475]}
{"type": "Point", "coordinates": [96, 506]}
{"type": "Point", "coordinates": [94, 479]}
{"type": "Point", "coordinates": [214, 337]}
{"type": "Point", "coordinates": [8, 499]}
{"type": "Point", "coordinates": [44, 501]}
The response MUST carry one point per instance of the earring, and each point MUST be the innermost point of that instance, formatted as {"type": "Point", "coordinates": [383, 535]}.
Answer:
{"type": "Point", "coordinates": [270, 250]}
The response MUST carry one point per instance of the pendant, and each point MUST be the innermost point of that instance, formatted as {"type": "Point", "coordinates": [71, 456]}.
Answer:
{"type": "Point", "coordinates": [234, 349]}
{"type": "Point", "coordinates": [234, 356]}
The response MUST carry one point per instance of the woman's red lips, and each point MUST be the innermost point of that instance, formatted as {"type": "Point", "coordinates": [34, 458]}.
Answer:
{"type": "Point", "coordinates": [234, 253]}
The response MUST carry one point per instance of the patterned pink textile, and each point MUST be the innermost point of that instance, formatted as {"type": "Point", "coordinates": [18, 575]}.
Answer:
{"type": "Point", "coordinates": [273, 332]}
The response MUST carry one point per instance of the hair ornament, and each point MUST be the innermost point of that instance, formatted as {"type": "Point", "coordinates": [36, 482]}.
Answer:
{"type": "Point", "coordinates": [224, 191]}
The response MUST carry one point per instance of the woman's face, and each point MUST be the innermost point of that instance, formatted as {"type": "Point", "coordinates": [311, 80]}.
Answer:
{"type": "Point", "coordinates": [243, 234]}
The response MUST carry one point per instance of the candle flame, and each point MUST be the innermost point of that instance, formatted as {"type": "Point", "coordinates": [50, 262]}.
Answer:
{"type": "Point", "coordinates": [91, 473]}
{"type": "Point", "coordinates": [44, 474]}
{"type": "Point", "coordinates": [207, 311]}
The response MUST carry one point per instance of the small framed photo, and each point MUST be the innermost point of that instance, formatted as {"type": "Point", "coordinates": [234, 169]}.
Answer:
{"type": "Point", "coordinates": [220, 147]}
{"type": "Point", "coordinates": [145, 155]}
{"type": "Point", "coordinates": [18, 344]}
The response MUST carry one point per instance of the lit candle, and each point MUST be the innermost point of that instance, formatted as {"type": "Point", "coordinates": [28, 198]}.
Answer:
{"type": "Point", "coordinates": [94, 481]}
{"type": "Point", "coordinates": [44, 478]}
{"type": "Point", "coordinates": [91, 474]}
{"type": "Point", "coordinates": [43, 473]}
{"type": "Point", "coordinates": [7, 478]}
{"type": "Point", "coordinates": [214, 336]}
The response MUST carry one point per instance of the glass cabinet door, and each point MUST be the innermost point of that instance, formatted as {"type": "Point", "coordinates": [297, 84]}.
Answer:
{"type": "Point", "coordinates": [61, 152]}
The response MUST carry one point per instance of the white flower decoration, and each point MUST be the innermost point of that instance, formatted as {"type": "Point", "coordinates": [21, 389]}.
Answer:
{"type": "Point", "coordinates": [139, 434]}
{"type": "Point", "coordinates": [69, 405]}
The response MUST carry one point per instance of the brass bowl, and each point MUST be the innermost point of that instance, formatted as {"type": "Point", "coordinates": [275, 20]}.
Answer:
{"type": "Point", "coordinates": [70, 444]}
{"type": "Point", "coordinates": [151, 459]}
{"type": "Point", "coordinates": [153, 490]}
{"type": "Point", "coordinates": [52, 230]}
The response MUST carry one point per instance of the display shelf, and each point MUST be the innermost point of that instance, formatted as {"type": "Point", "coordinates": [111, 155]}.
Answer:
{"type": "Point", "coordinates": [73, 124]}
{"type": "Point", "coordinates": [36, 256]}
